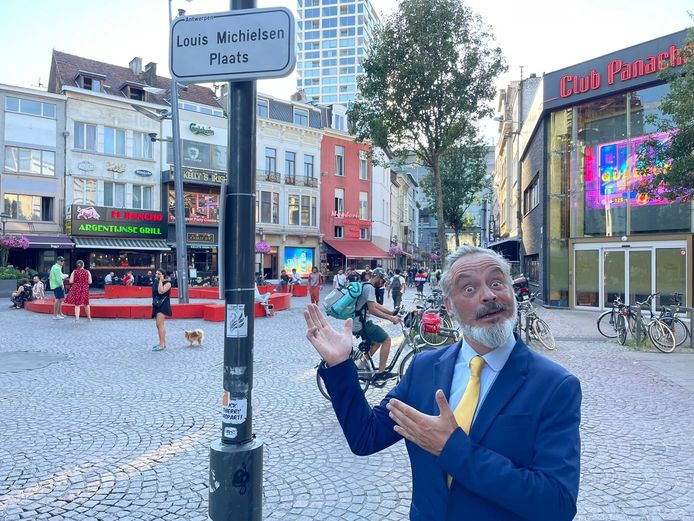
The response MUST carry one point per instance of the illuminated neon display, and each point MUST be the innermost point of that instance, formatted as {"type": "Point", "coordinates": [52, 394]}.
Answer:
{"type": "Point", "coordinates": [610, 176]}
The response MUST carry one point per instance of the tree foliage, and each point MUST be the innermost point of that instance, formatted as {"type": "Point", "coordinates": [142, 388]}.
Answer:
{"type": "Point", "coordinates": [429, 76]}
{"type": "Point", "coordinates": [464, 174]}
{"type": "Point", "coordinates": [666, 166]}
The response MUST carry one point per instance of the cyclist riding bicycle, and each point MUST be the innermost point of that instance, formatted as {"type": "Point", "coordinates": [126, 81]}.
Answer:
{"type": "Point", "coordinates": [363, 327]}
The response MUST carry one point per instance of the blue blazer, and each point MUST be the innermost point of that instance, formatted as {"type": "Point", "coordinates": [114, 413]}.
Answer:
{"type": "Point", "coordinates": [521, 459]}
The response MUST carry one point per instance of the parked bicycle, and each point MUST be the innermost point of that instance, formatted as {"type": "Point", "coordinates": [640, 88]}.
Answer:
{"type": "Point", "coordinates": [367, 367]}
{"type": "Point", "coordinates": [607, 321]}
{"type": "Point", "coordinates": [528, 322]}
{"type": "Point", "coordinates": [630, 319]}
{"type": "Point", "coordinates": [669, 315]}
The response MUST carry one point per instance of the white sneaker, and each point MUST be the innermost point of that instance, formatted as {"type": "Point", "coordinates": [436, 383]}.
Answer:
{"type": "Point", "coordinates": [59, 317]}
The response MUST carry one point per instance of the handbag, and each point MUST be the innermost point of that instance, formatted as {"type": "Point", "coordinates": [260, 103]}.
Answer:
{"type": "Point", "coordinates": [158, 300]}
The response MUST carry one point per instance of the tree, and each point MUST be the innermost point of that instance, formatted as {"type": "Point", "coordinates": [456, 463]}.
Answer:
{"type": "Point", "coordinates": [666, 163]}
{"type": "Point", "coordinates": [428, 78]}
{"type": "Point", "coordinates": [463, 170]}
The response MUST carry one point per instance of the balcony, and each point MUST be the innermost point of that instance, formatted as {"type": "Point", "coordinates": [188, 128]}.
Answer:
{"type": "Point", "coordinates": [301, 180]}
{"type": "Point", "coordinates": [266, 175]}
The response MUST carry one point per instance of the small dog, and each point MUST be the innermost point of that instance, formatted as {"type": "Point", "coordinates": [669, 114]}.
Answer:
{"type": "Point", "coordinates": [195, 335]}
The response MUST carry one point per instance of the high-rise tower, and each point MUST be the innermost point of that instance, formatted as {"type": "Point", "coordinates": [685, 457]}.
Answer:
{"type": "Point", "coordinates": [332, 39]}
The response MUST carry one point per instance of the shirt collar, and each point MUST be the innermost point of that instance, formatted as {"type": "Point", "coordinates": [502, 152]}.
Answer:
{"type": "Point", "coordinates": [495, 359]}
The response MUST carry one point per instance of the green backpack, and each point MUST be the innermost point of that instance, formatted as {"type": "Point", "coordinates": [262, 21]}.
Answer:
{"type": "Point", "coordinates": [342, 303]}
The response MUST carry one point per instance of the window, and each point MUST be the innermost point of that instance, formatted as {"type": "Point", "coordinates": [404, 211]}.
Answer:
{"type": "Point", "coordinates": [308, 166]}
{"type": "Point", "coordinates": [85, 136]}
{"type": "Point", "coordinates": [290, 167]}
{"type": "Point", "coordinates": [262, 108]}
{"type": "Point", "coordinates": [142, 197]}
{"type": "Point", "coordinates": [84, 191]}
{"type": "Point", "coordinates": [305, 210]}
{"type": "Point", "coordinates": [339, 200]}
{"type": "Point", "coordinates": [294, 210]}
{"type": "Point", "coordinates": [531, 196]}
{"type": "Point", "coordinates": [363, 233]}
{"type": "Point", "coordinates": [136, 93]}
{"type": "Point", "coordinates": [29, 207]}
{"type": "Point", "coordinates": [339, 160]}
{"type": "Point", "coordinates": [91, 84]}
{"type": "Point", "coordinates": [142, 146]}
{"type": "Point", "coordinates": [114, 141]}
{"type": "Point", "coordinates": [301, 116]}
{"type": "Point", "coordinates": [363, 166]}
{"type": "Point", "coordinates": [270, 159]}
{"type": "Point", "coordinates": [269, 208]}
{"type": "Point", "coordinates": [114, 195]}
{"type": "Point", "coordinates": [339, 120]}
{"type": "Point", "coordinates": [532, 267]}
{"type": "Point", "coordinates": [27, 106]}
{"type": "Point", "coordinates": [363, 206]}
{"type": "Point", "coordinates": [339, 232]}
{"type": "Point", "coordinates": [29, 161]}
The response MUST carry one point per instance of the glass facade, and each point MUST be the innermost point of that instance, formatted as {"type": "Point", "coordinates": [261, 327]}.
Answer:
{"type": "Point", "coordinates": [592, 192]}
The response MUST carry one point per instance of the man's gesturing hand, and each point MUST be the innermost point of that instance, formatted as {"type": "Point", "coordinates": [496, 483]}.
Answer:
{"type": "Point", "coordinates": [333, 347]}
{"type": "Point", "coordinates": [429, 432]}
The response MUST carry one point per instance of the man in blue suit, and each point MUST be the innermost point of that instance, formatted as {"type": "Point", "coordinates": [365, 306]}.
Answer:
{"type": "Point", "coordinates": [507, 447]}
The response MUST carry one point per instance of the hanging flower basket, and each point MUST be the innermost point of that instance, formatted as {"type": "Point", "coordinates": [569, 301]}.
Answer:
{"type": "Point", "coordinates": [9, 242]}
{"type": "Point", "coordinates": [395, 250]}
{"type": "Point", "coordinates": [262, 247]}
{"type": "Point", "coordinates": [435, 257]}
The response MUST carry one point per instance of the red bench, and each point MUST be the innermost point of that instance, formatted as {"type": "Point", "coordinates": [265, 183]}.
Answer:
{"type": "Point", "coordinates": [279, 301]}
{"type": "Point", "coordinates": [299, 291]}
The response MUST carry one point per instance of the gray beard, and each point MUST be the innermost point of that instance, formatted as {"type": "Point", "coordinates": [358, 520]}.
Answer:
{"type": "Point", "coordinates": [491, 337]}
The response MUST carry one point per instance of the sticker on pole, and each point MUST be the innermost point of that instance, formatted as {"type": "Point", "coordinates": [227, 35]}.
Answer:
{"type": "Point", "coordinates": [237, 321]}
{"type": "Point", "coordinates": [233, 410]}
{"type": "Point", "coordinates": [238, 45]}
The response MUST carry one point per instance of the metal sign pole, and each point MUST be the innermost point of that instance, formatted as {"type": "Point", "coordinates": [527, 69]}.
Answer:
{"type": "Point", "coordinates": [236, 460]}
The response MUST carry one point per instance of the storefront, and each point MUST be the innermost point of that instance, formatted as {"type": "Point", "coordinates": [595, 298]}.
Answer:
{"type": "Point", "coordinates": [353, 253]}
{"type": "Point", "coordinates": [201, 201]}
{"type": "Point", "coordinates": [604, 238]}
{"type": "Point", "coordinates": [118, 240]}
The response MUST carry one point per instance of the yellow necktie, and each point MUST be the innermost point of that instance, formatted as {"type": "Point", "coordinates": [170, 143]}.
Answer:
{"type": "Point", "coordinates": [465, 411]}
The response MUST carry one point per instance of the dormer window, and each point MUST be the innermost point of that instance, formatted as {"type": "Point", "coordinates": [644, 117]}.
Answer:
{"type": "Point", "coordinates": [136, 93]}
{"type": "Point", "coordinates": [90, 81]}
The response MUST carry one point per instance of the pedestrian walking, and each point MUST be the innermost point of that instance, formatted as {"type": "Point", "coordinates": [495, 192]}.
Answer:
{"type": "Point", "coordinates": [56, 284]}
{"type": "Point", "coordinates": [161, 305]}
{"type": "Point", "coordinates": [340, 280]}
{"type": "Point", "coordinates": [397, 288]}
{"type": "Point", "coordinates": [315, 279]}
{"type": "Point", "coordinates": [80, 280]}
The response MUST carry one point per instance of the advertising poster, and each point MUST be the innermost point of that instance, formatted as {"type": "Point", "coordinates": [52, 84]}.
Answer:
{"type": "Point", "coordinates": [200, 208]}
{"type": "Point", "coordinates": [299, 258]}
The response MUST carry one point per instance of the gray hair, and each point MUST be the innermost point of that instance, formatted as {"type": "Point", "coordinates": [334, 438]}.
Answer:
{"type": "Point", "coordinates": [80, 263]}
{"type": "Point", "coordinates": [446, 282]}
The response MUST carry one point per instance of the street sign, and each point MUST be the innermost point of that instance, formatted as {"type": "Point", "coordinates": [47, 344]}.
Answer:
{"type": "Point", "coordinates": [238, 45]}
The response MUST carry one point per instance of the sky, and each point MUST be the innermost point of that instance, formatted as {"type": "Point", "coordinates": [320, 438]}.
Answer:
{"type": "Point", "coordinates": [539, 35]}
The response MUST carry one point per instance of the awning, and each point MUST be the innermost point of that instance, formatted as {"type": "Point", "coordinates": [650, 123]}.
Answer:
{"type": "Point", "coordinates": [49, 241]}
{"type": "Point", "coordinates": [507, 247]}
{"type": "Point", "coordinates": [357, 248]}
{"type": "Point", "coordinates": [102, 243]}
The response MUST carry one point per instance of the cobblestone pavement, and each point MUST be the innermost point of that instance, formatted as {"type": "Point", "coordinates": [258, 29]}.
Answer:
{"type": "Point", "coordinates": [99, 427]}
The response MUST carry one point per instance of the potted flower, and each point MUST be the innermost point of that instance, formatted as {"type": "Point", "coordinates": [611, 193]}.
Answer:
{"type": "Point", "coordinates": [9, 275]}
{"type": "Point", "coordinates": [396, 250]}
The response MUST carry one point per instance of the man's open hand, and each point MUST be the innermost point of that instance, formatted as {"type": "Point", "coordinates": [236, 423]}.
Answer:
{"type": "Point", "coordinates": [429, 432]}
{"type": "Point", "coordinates": [333, 347]}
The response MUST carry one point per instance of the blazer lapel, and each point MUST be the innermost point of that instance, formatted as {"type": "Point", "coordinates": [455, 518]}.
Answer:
{"type": "Point", "coordinates": [505, 386]}
{"type": "Point", "coordinates": [443, 369]}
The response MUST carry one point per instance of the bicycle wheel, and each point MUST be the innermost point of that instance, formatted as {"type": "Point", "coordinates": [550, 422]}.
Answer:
{"type": "Point", "coordinates": [432, 338]}
{"type": "Point", "coordinates": [405, 364]}
{"type": "Point", "coordinates": [607, 325]}
{"type": "Point", "coordinates": [543, 333]}
{"type": "Point", "coordinates": [678, 328]}
{"type": "Point", "coordinates": [621, 327]}
{"type": "Point", "coordinates": [661, 336]}
{"type": "Point", "coordinates": [365, 370]}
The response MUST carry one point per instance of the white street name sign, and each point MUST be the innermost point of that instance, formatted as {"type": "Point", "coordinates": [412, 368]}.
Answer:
{"type": "Point", "coordinates": [233, 46]}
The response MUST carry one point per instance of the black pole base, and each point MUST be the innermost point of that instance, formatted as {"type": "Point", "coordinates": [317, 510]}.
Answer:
{"type": "Point", "coordinates": [236, 481]}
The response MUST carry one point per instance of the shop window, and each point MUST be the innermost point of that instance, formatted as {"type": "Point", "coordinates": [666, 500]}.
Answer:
{"type": "Point", "coordinates": [339, 232]}
{"type": "Point", "coordinates": [200, 207]}
{"type": "Point", "coordinates": [28, 207]}
{"type": "Point", "coordinates": [120, 262]}
{"type": "Point", "coordinates": [29, 161]}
